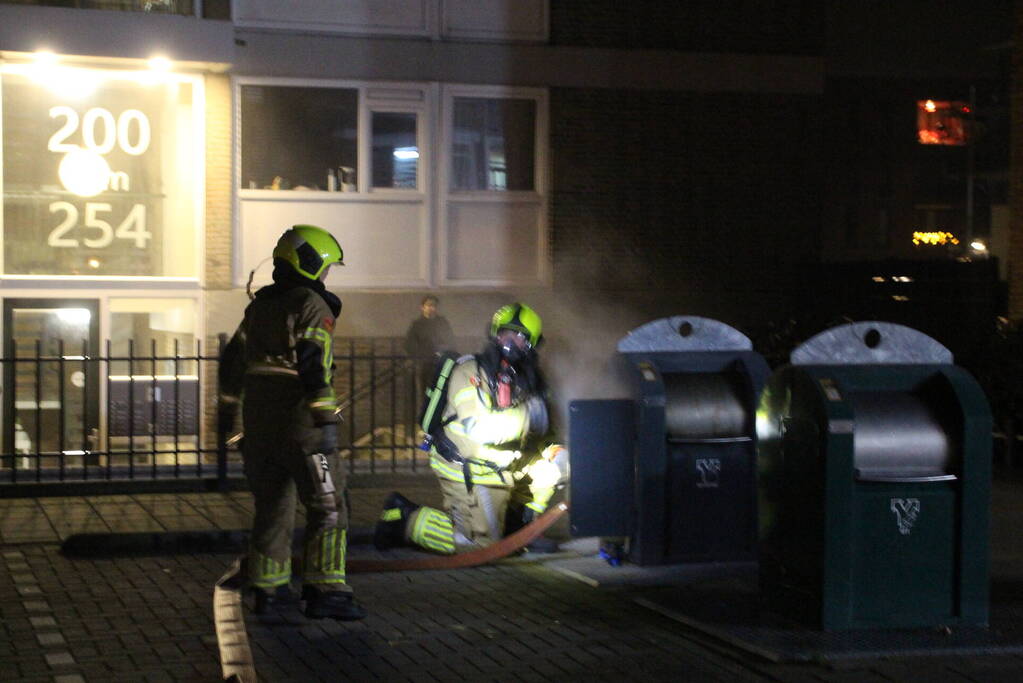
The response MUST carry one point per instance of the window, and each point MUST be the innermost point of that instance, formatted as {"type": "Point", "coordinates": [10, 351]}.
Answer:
{"type": "Point", "coordinates": [183, 7]}
{"type": "Point", "coordinates": [299, 138]}
{"type": "Point", "coordinates": [160, 327]}
{"type": "Point", "coordinates": [359, 158]}
{"type": "Point", "coordinates": [98, 172]}
{"type": "Point", "coordinates": [941, 123]}
{"type": "Point", "coordinates": [395, 150]}
{"type": "Point", "coordinates": [493, 144]}
{"type": "Point", "coordinates": [493, 209]}
{"type": "Point", "coordinates": [156, 394]}
{"type": "Point", "coordinates": [353, 157]}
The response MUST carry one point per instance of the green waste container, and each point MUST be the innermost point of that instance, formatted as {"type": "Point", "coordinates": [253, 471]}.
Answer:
{"type": "Point", "coordinates": [874, 480]}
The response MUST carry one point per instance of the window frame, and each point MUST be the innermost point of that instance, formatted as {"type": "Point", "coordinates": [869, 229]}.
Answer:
{"type": "Point", "coordinates": [418, 97]}
{"type": "Point", "coordinates": [539, 196]}
{"type": "Point", "coordinates": [373, 96]}
{"type": "Point", "coordinates": [422, 163]}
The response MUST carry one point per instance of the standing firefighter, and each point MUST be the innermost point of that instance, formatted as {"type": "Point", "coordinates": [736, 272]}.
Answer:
{"type": "Point", "coordinates": [484, 418]}
{"type": "Point", "coordinates": [280, 362]}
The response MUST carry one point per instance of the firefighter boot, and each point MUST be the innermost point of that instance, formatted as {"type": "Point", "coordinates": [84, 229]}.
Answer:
{"type": "Point", "coordinates": [264, 599]}
{"type": "Point", "coordinates": [340, 605]}
{"type": "Point", "coordinates": [390, 529]}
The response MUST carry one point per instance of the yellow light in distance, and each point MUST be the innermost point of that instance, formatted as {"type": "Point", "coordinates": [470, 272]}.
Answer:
{"type": "Point", "coordinates": [930, 106]}
{"type": "Point", "coordinates": [93, 263]}
{"type": "Point", "coordinates": [935, 238]}
{"type": "Point", "coordinates": [84, 172]}
{"type": "Point", "coordinates": [977, 245]}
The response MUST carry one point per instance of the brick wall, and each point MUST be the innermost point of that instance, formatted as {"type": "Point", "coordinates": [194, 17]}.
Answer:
{"type": "Point", "coordinates": [218, 245]}
{"type": "Point", "coordinates": [218, 182]}
{"type": "Point", "coordinates": [708, 199]}
{"type": "Point", "coordinates": [746, 26]}
{"type": "Point", "coordinates": [1015, 272]}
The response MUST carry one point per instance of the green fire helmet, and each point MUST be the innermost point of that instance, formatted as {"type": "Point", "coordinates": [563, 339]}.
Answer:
{"type": "Point", "coordinates": [309, 250]}
{"type": "Point", "coordinates": [518, 317]}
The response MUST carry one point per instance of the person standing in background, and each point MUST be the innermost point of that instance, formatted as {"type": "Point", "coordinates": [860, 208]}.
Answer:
{"type": "Point", "coordinates": [428, 336]}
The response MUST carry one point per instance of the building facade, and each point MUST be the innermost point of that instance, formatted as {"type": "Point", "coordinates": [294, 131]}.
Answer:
{"type": "Point", "coordinates": [609, 162]}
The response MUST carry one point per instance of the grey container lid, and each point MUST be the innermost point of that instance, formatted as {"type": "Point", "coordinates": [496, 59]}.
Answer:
{"type": "Point", "coordinates": [684, 333]}
{"type": "Point", "coordinates": [871, 342]}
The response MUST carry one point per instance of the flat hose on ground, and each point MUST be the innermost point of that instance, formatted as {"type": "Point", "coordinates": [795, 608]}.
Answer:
{"type": "Point", "coordinates": [502, 548]}
{"type": "Point", "coordinates": [232, 638]}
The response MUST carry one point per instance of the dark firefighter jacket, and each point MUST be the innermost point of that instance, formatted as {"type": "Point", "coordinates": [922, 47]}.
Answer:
{"type": "Point", "coordinates": [287, 331]}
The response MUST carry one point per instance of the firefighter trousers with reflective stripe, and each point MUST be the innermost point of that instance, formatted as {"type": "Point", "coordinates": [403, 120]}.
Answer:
{"type": "Point", "coordinates": [279, 438]}
{"type": "Point", "coordinates": [470, 519]}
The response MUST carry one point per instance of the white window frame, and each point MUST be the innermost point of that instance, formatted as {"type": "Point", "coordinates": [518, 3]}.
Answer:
{"type": "Point", "coordinates": [421, 177]}
{"type": "Point", "coordinates": [373, 96]}
{"type": "Point", "coordinates": [540, 196]}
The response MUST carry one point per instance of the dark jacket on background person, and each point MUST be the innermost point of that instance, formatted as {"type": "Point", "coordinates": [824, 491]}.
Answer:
{"type": "Point", "coordinates": [429, 336]}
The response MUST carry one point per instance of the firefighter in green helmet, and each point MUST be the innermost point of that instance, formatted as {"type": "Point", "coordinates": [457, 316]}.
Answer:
{"type": "Point", "coordinates": [487, 446]}
{"type": "Point", "coordinates": [279, 365]}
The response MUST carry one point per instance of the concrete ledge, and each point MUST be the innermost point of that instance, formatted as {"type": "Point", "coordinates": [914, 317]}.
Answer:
{"type": "Point", "coordinates": [110, 34]}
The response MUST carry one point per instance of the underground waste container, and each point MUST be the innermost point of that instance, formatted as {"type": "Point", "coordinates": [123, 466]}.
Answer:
{"type": "Point", "coordinates": [671, 469]}
{"type": "Point", "coordinates": [874, 457]}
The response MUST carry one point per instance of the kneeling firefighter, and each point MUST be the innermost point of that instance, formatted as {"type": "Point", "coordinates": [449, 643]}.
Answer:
{"type": "Point", "coordinates": [483, 419]}
{"type": "Point", "coordinates": [279, 364]}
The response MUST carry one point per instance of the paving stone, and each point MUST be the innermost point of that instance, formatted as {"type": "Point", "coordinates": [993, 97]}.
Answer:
{"type": "Point", "coordinates": [68, 678]}
{"type": "Point", "coordinates": [508, 622]}
{"type": "Point", "coordinates": [59, 658]}
{"type": "Point", "coordinates": [49, 639]}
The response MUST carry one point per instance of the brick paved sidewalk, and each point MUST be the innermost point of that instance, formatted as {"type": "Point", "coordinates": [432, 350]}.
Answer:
{"type": "Point", "coordinates": [53, 520]}
{"type": "Point", "coordinates": [148, 617]}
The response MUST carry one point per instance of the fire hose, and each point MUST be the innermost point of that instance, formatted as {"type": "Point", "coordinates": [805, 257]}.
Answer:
{"type": "Point", "coordinates": [506, 546]}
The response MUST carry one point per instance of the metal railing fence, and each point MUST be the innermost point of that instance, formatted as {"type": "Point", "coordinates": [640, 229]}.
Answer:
{"type": "Point", "coordinates": [135, 421]}
{"type": "Point", "coordinates": [74, 415]}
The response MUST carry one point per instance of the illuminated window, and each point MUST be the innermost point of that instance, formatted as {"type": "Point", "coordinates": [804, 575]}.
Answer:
{"type": "Point", "coordinates": [99, 171]}
{"type": "Point", "coordinates": [941, 122]}
{"type": "Point", "coordinates": [166, 326]}
{"type": "Point", "coordinates": [147, 396]}
{"type": "Point", "coordinates": [395, 150]}
{"type": "Point", "coordinates": [299, 138]}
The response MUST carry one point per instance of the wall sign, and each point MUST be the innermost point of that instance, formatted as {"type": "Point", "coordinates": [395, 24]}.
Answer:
{"type": "Point", "coordinates": [101, 170]}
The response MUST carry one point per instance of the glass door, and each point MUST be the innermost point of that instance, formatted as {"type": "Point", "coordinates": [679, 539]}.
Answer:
{"type": "Point", "coordinates": [51, 388]}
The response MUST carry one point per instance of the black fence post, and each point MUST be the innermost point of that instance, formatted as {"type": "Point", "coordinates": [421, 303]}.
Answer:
{"type": "Point", "coordinates": [222, 484]}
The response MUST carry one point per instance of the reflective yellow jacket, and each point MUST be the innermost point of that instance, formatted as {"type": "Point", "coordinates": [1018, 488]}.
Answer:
{"type": "Point", "coordinates": [482, 432]}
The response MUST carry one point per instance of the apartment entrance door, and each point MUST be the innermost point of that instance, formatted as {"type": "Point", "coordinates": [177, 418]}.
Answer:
{"type": "Point", "coordinates": [51, 388]}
